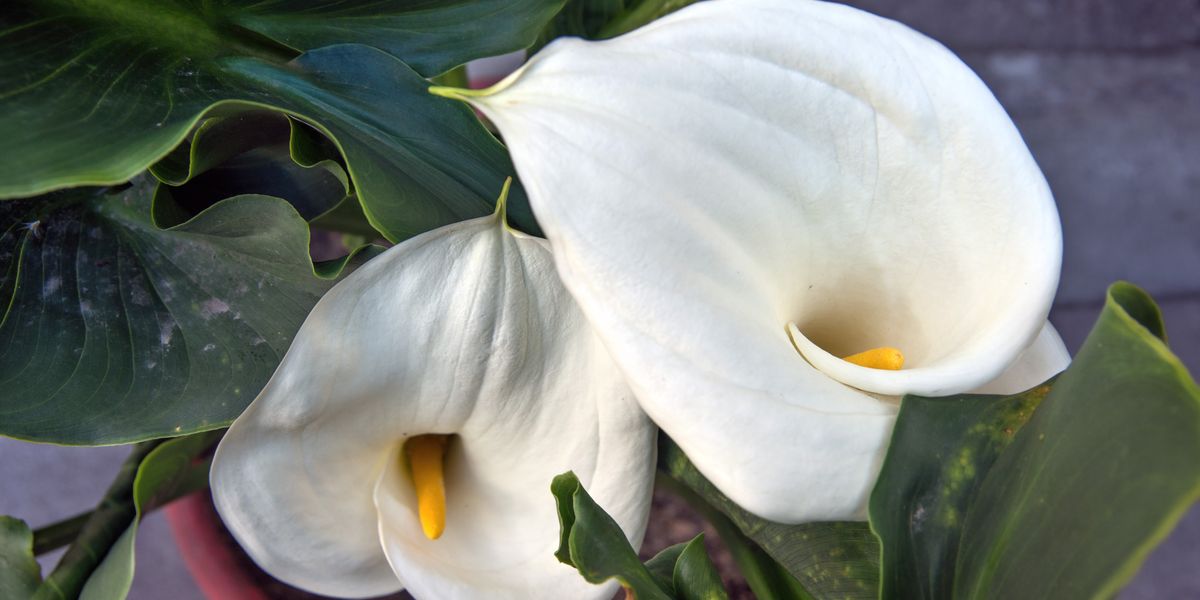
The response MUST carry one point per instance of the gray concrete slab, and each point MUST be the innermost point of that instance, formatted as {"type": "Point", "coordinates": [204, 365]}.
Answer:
{"type": "Point", "coordinates": [47, 483]}
{"type": "Point", "coordinates": [1118, 138]}
{"type": "Point", "coordinates": [1129, 25]}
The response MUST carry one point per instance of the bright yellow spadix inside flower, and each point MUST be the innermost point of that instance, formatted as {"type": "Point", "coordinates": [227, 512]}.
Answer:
{"type": "Point", "coordinates": [426, 457]}
{"type": "Point", "coordinates": [887, 358]}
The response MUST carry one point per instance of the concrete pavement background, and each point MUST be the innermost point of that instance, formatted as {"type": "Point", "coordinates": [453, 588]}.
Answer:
{"type": "Point", "coordinates": [1107, 95]}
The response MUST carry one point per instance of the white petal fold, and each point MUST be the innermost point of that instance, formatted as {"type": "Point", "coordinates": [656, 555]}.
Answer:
{"type": "Point", "coordinates": [742, 165]}
{"type": "Point", "coordinates": [467, 331]}
{"type": "Point", "coordinates": [1046, 357]}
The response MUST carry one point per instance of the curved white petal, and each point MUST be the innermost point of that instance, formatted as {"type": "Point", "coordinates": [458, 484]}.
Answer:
{"type": "Point", "coordinates": [465, 330]}
{"type": "Point", "coordinates": [1046, 357]}
{"type": "Point", "coordinates": [738, 166]}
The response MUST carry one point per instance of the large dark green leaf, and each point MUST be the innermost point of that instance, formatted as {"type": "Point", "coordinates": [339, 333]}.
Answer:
{"type": "Point", "coordinates": [115, 330]}
{"type": "Point", "coordinates": [431, 36]}
{"type": "Point", "coordinates": [97, 90]}
{"type": "Point", "coordinates": [99, 563]}
{"type": "Point", "coordinates": [1060, 492]}
{"type": "Point", "coordinates": [948, 444]}
{"type": "Point", "coordinates": [827, 560]}
{"type": "Point", "coordinates": [602, 19]}
{"type": "Point", "coordinates": [417, 161]}
{"type": "Point", "coordinates": [245, 153]}
{"type": "Point", "coordinates": [20, 574]}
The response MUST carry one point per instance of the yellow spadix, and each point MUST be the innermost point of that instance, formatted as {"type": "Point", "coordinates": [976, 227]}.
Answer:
{"type": "Point", "coordinates": [884, 357]}
{"type": "Point", "coordinates": [426, 455]}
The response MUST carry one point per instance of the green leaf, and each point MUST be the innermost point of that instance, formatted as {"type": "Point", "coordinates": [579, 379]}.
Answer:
{"type": "Point", "coordinates": [695, 577]}
{"type": "Point", "coordinates": [115, 330]}
{"type": "Point", "coordinates": [602, 19]}
{"type": "Point", "coordinates": [417, 161]}
{"type": "Point", "coordinates": [685, 571]}
{"type": "Point", "coordinates": [951, 443]}
{"type": "Point", "coordinates": [827, 560]}
{"type": "Point", "coordinates": [20, 574]}
{"type": "Point", "coordinates": [433, 37]}
{"type": "Point", "coordinates": [219, 138]}
{"type": "Point", "coordinates": [244, 153]}
{"type": "Point", "coordinates": [98, 90]}
{"type": "Point", "coordinates": [662, 566]}
{"type": "Point", "coordinates": [1060, 492]}
{"type": "Point", "coordinates": [593, 543]}
{"type": "Point", "coordinates": [99, 564]}
{"type": "Point", "coordinates": [768, 579]}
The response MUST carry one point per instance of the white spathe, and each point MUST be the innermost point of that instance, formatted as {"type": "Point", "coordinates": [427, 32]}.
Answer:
{"type": "Point", "coordinates": [739, 167]}
{"type": "Point", "coordinates": [465, 330]}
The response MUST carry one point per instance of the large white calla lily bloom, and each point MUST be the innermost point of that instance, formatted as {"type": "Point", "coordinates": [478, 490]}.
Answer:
{"type": "Point", "coordinates": [456, 356]}
{"type": "Point", "coordinates": [743, 193]}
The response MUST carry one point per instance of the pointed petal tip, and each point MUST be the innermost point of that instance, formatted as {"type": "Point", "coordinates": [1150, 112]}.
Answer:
{"type": "Point", "coordinates": [501, 212]}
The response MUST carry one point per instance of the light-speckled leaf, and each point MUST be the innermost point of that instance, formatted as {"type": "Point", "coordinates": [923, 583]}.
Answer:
{"type": "Point", "coordinates": [115, 330]}
{"type": "Point", "coordinates": [1060, 492]}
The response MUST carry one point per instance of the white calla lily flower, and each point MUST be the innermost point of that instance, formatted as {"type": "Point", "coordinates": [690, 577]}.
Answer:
{"type": "Point", "coordinates": [744, 195]}
{"type": "Point", "coordinates": [436, 392]}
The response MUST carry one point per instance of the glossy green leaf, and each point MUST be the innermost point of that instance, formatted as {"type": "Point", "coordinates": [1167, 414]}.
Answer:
{"type": "Point", "coordinates": [98, 90]}
{"type": "Point", "coordinates": [219, 138]}
{"type": "Point", "coordinates": [417, 161]}
{"type": "Point", "coordinates": [661, 566]}
{"type": "Point", "coordinates": [99, 564]}
{"type": "Point", "coordinates": [115, 330]}
{"type": "Point", "coordinates": [20, 574]}
{"type": "Point", "coordinates": [593, 543]}
{"type": "Point", "coordinates": [244, 153]}
{"type": "Point", "coordinates": [827, 560]}
{"type": "Point", "coordinates": [432, 37]}
{"type": "Point", "coordinates": [602, 19]}
{"type": "Point", "coordinates": [1057, 493]}
{"type": "Point", "coordinates": [950, 443]}
{"type": "Point", "coordinates": [695, 577]}
{"type": "Point", "coordinates": [768, 579]}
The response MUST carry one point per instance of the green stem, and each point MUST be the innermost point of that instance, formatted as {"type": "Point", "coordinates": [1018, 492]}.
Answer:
{"type": "Point", "coordinates": [101, 530]}
{"type": "Point", "coordinates": [60, 533]}
{"type": "Point", "coordinates": [57, 535]}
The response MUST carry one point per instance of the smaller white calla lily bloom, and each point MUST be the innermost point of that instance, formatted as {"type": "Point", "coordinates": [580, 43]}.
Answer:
{"type": "Point", "coordinates": [435, 392]}
{"type": "Point", "coordinates": [781, 215]}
